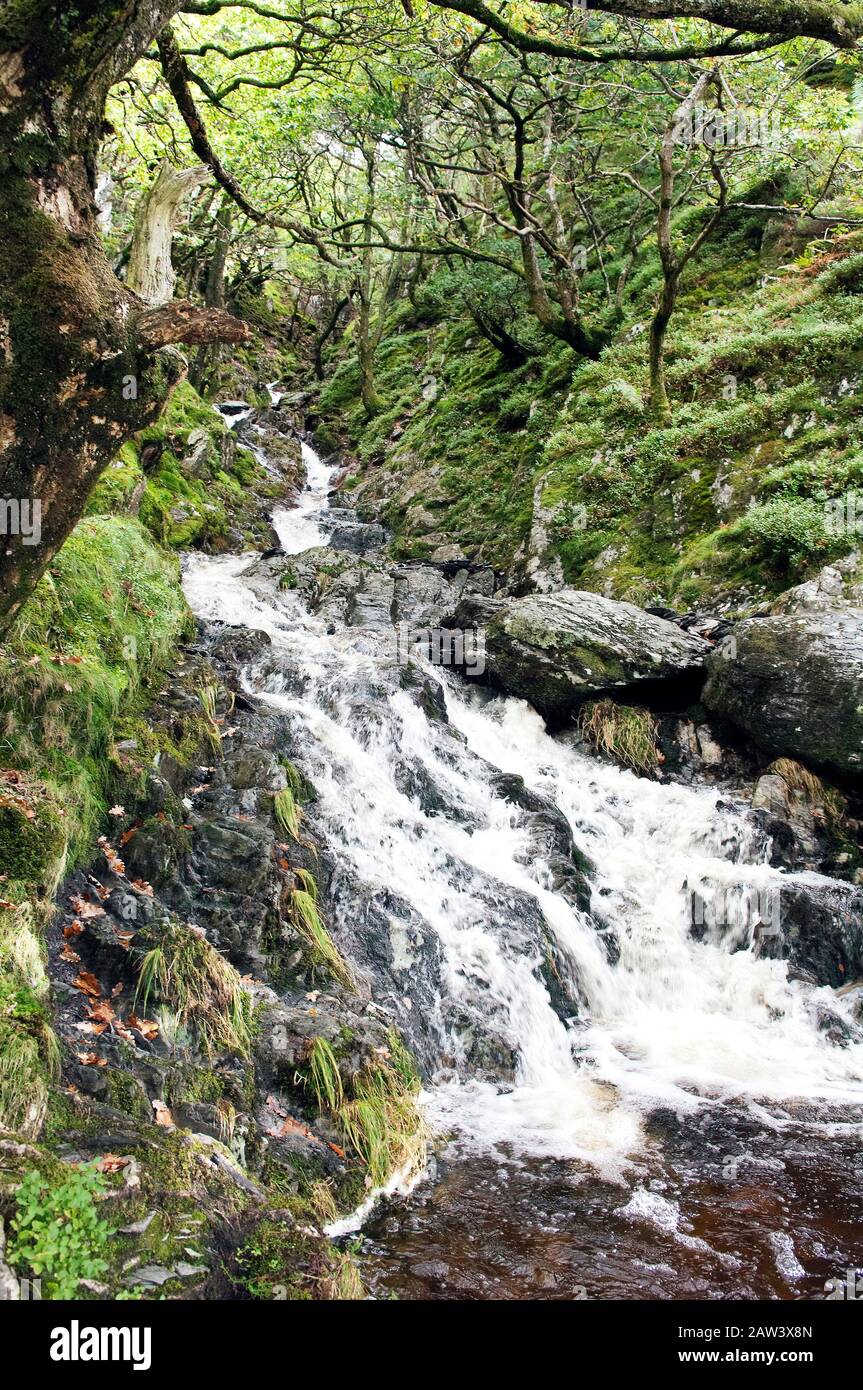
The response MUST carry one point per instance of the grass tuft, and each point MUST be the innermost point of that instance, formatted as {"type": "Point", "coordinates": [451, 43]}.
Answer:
{"type": "Point", "coordinates": [183, 971]}
{"type": "Point", "coordinates": [624, 732]}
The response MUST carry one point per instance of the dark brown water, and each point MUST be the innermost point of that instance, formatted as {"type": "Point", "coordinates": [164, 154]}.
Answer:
{"type": "Point", "coordinates": [717, 1208]}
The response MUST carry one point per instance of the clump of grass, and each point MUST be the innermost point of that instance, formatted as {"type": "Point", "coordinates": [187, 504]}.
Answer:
{"type": "Point", "coordinates": [288, 813]}
{"type": "Point", "coordinates": [382, 1123]}
{"type": "Point", "coordinates": [798, 778]}
{"type": "Point", "coordinates": [322, 1201]}
{"type": "Point", "coordinates": [208, 695]}
{"type": "Point", "coordinates": [306, 917]}
{"type": "Point", "coordinates": [23, 1084]}
{"type": "Point", "coordinates": [344, 1282]}
{"type": "Point", "coordinates": [202, 989]}
{"type": "Point", "coordinates": [324, 1076]}
{"type": "Point", "coordinates": [380, 1119]}
{"type": "Point", "coordinates": [623, 731]}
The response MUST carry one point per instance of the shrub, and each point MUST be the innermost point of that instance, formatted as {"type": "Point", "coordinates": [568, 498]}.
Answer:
{"type": "Point", "coordinates": [57, 1231]}
{"type": "Point", "coordinates": [786, 531]}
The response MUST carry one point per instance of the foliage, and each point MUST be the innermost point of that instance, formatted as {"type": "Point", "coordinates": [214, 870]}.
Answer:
{"type": "Point", "coordinates": [56, 1230]}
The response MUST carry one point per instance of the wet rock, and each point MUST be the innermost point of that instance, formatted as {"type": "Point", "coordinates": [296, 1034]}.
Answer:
{"type": "Point", "coordinates": [558, 650]}
{"type": "Point", "coordinates": [821, 931]}
{"type": "Point", "coordinates": [792, 682]}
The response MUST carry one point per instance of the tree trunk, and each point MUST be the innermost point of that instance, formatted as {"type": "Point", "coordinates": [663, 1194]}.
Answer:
{"type": "Point", "coordinates": [150, 272]}
{"type": "Point", "coordinates": [206, 364]}
{"type": "Point", "coordinates": [660, 405]}
{"type": "Point", "coordinates": [83, 365]}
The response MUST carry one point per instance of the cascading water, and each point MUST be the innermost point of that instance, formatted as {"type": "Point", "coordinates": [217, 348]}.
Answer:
{"type": "Point", "coordinates": [664, 1024]}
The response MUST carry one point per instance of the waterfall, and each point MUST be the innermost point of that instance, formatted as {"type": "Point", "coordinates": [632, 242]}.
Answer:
{"type": "Point", "coordinates": [411, 808]}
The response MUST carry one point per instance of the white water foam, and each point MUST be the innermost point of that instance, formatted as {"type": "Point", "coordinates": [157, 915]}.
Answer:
{"type": "Point", "coordinates": [675, 1021]}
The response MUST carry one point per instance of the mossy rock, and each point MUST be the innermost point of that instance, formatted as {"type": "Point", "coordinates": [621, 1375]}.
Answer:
{"type": "Point", "coordinates": [33, 836]}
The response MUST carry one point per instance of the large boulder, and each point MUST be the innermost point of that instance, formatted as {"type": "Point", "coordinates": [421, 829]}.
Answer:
{"type": "Point", "coordinates": [793, 681]}
{"type": "Point", "coordinates": [820, 931]}
{"type": "Point", "coordinates": [558, 650]}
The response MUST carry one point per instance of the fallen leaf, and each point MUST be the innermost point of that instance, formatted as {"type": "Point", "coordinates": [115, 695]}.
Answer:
{"type": "Point", "coordinates": [88, 984]}
{"type": "Point", "coordinates": [336, 1148]}
{"type": "Point", "coordinates": [84, 908]}
{"type": "Point", "coordinates": [73, 928]}
{"type": "Point", "coordinates": [144, 1025]}
{"type": "Point", "coordinates": [128, 835]}
{"type": "Point", "coordinates": [102, 1013]}
{"type": "Point", "coordinates": [163, 1115]}
{"type": "Point", "coordinates": [112, 1163]}
{"type": "Point", "coordinates": [91, 1059]}
{"type": "Point", "coordinates": [292, 1126]}
{"type": "Point", "coordinates": [66, 953]}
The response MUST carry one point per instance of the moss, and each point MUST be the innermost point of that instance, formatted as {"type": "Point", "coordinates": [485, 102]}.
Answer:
{"type": "Point", "coordinates": [33, 835]}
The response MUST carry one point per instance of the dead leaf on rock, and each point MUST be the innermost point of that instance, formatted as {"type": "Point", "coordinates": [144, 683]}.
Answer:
{"type": "Point", "coordinates": [88, 984]}
{"type": "Point", "coordinates": [112, 1163]}
{"type": "Point", "coordinates": [84, 908]}
{"type": "Point", "coordinates": [162, 1114]}
{"type": "Point", "coordinates": [91, 1059]}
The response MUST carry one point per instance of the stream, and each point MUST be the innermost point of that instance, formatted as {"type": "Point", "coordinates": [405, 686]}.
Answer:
{"type": "Point", "coordinates": [686, 1127]}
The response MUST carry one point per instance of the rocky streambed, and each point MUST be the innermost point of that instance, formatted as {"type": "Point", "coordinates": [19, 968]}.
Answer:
{"type": "Point", "coordinates": [632, 998]}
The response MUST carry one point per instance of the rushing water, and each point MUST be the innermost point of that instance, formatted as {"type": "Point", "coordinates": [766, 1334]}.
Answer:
{"type": "Point", "coordinates": [690, 1130]}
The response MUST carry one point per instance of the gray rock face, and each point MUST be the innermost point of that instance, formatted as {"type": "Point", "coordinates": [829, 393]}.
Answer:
{"type": "Point", "coordinates": [557, 650]}
{"type": "Point", "coordinates": [794, 683]}
{"type": "Point", "coordinates": [821, 931]}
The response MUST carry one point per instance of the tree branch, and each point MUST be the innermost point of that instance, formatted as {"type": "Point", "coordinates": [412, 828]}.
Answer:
{"type": "Point", "coordinates": [177, 77]}
{"type": "Point", "coordinates": [182, 322]}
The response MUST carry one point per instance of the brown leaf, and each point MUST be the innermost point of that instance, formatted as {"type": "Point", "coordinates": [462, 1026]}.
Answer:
{"type": "Point", "coordinates": [88, 984]}
{"type": "Point", "coordinates": [102, 1013]}
{"type": "Point", "coordinates": [73, 928]}
{"type": "Point", "coordinates": [292, 1126]}
{"type": "Point", "coordinates": [144, 1025]}
{"type": "Point", "coordinates": [91, 1059]}
{"type": "Point", "coordinates": [143, 886]}
{"type": "Point", "coordinates": [128, 835]}
{"type": "Point", "coordinates": [163, 1115]}
{"type": "Point", "coordinates": [84, 908]}
{"type": "Point", "coordinates": [66, 953]}
{"type": "Point", "coordinates": [112, 1163]}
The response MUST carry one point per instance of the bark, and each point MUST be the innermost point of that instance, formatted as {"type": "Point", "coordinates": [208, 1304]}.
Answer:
{"type": "Point", "coordinates": [206, 365]}
{"type": "Point", "coordinates": [674, 263]}
{"type": "Point", "coordinates": [327, 330]}
{"type": "Point", "coordinates": [150, 272]}
{"type": "Point", "coordinates": [82, 367]}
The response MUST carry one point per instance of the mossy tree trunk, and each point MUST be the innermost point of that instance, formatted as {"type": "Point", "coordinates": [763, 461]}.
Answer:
{"type": "Point", "coordinates": [84, 363]}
